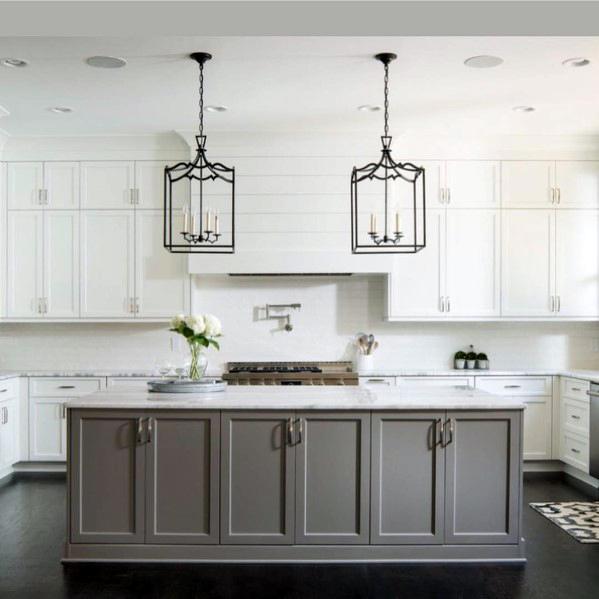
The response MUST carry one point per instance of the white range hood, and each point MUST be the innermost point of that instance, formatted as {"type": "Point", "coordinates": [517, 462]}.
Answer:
{"type": "Point", "coordinates": [274, 262]}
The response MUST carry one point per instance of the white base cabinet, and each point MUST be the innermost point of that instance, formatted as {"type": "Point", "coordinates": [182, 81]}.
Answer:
{"type": "Point", "coordinates": [574, 423]}
{"type": "Point", "coordinates": [536, 393]}
{"type": "Point", "coordinates": [9, 423]}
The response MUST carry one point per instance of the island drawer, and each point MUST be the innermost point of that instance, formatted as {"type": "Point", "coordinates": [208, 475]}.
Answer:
{"type": "Point", "coordinates": [526, 385]}
{"type": "Point", "coordinates": [575, 389]}
{"type": "Point", "coordinates": [9, 388]}
{"type": "Point", "coordinates": [63, 387]}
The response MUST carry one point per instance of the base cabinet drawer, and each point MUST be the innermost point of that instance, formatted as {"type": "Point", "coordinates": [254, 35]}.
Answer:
{"type": "Point", "coordinates": [575, 415]}
{"type": "Point", "coordinates": [377, 381]}
{"type": "Point", "coordinates": [9, 388]}
{"type": "Point", "coordinates": [515, 386]}
{"type": "Point", "coordinates": [435, 381]}
{"type": "Point", "coordinates": [63, 387]}
{"type": "Point", "coordinates": [575, 389]}
{"type": "Point", "coordinates": [575, 451]}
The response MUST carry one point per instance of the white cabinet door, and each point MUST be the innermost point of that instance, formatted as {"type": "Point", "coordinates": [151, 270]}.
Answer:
{"type": "Point", "coordinates": [47, 429]}
{"type": "Point", "coordinates": [9, 431]}
{"type": "Point", "coordinates": [416, 281]}
{"type": "Point", "coordinates": [472, 183]}
{"type": "Point", "coordinates": [107, 185]}
{"type": "Point", "coordinates": [61, 180]}
{"type": "Point", "coordinates": [473, 250]}
{"type": "Point", "coordinates": [25, 264]}
{"type": "Point", "coordinates": [61, 263]}
{"type": "Point", "coordinates": [527, 262]}
{"type": "Point", "coordinates": [24, 182]}
{"type": "Point", "coordinates": [577, 262]}
{"type": "Point", "coordinates": [578, 183]}
{"type": "Point", "coordinates": [537, 428]}
{"type": "Point", "coordinates": [107, 263]}
{"type": "Point", "coordinates": [161, 278]}
{"type": "Point", "coordinates": [527, 183]}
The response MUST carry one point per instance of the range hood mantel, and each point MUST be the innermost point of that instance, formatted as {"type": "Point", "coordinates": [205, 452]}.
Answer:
{"type": "Point", "coordinates": [290, 263]}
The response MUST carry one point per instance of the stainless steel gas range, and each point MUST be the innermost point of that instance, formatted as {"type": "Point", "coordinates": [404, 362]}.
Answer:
{"type": "Point", "coordinates": [290, 373]}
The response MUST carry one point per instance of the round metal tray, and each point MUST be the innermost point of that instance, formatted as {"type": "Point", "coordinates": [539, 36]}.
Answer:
{"type": "Point", "coordinates": [205, 385]}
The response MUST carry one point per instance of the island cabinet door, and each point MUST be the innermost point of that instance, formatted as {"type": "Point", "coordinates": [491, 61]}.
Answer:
{"type": "Point", "coordinates": [407, 478]}
{"type": "Point", "coordinates": [483, 477]}
{"type": "Point", "coordinates": [257, 478]}
{"type": "Point", "coordinates": [182, 473]}
{"type": "Point", "coordinates": [106, 476]}
{"type": "Point", "coordinates": [332, 473]}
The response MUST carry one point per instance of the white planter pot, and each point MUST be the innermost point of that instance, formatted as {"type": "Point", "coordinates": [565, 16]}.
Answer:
{"type": "Point", "coordinates": [470, 364]}
{"type": "Point", "coordinates": [459, 364]}
{"type": "Point", "coordinates": [364, 363]}
{"type": "Point", "coordinates": [482, 364]}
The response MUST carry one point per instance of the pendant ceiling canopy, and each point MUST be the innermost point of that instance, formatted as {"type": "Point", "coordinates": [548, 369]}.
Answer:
{"type": "Point", "coordinates": [387, 197]}
{"type": "Point", "coordinates": [199, 196]}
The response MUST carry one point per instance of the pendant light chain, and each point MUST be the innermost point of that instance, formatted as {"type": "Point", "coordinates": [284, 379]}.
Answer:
{"type": "Point", "coordinates": [386, 99]}
{"type": "Point", "coordinates": [201, 102]}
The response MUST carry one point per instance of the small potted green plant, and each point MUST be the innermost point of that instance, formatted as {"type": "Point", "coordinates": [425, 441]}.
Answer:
{"type": "Point", "coordinates": [471, 359]}
{"type": "Point", "coordinates": [459, 360]}
{"type": "Point", "coordinates": [482, 361]}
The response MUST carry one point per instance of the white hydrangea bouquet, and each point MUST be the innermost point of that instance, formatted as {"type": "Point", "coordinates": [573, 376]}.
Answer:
{"type": "Point", "coordinates": [200, 331]}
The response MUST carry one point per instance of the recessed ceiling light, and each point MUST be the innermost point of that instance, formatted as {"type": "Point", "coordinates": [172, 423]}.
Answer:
{"type": "Point", "coordinates": [60, 109]}
{"type": "Point", "coordinates": [106, 62]}
{"type": "Point", "coordinates": [523, 108]}
{"type": "Point", "coordinates": [212, 108]}
{"type": "Point", "coordinates": [369, 108]}
{"type": "Point", "coordinates": [484, 61]}
{"type": "Point", "coordinates": [13, 63]}
{"type": "Point", "coordinates": [576, 62]}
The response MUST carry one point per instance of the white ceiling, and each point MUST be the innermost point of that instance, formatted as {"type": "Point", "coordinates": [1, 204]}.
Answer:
{"type": "Point", "coordinates": [299, 84]}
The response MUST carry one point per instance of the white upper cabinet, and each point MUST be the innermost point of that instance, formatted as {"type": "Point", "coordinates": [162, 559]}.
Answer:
{"type": "Point", "coordinates": [107, 263]}
{"type": "Point", "coordinates": [107, 185]}
{"type": "Point", "coordinates": [149, 184]}
{"type": "Point", "coordinates": [25, 182]}
{"type": "Point", "coordinates": [577, 184]}
{"type": "Point", "coordinates": [577, 263]}
{"type": "Point", "coordinates": [25, 264]}
{"type": "Point", "coordinates": [161, 279]}
{"type": "Point", "coordinates": [528, 263]}
{"type": "Point", "coordinates": [472, 184]}
{"type": "Point", "coordinates": [472, 258]}
{"type": "Point", "coordinates": [414, 286]}
{"type": "Point", "coordinates": [61, 185]}
{"type": "Point", "coordinates": [61, 264]}
{"type": "Point", "coordinates": [53, 185]}
{"type": "Point", "coordinates": [527, 183]}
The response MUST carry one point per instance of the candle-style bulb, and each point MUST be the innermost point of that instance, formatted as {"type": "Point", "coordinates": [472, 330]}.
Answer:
{"type": "Point", "coordinates": [216, 225]}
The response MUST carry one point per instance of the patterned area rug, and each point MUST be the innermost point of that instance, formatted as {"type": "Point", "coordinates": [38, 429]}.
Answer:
{"type": "Point", "coordinates": [578, 518]}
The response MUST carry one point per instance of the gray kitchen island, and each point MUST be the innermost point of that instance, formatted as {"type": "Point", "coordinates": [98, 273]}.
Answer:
{"type": "Point", "coordinates": [295, 474]}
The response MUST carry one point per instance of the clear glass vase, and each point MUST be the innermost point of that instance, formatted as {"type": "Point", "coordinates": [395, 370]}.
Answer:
{"type": "Point", "coordinates": [199, 361]}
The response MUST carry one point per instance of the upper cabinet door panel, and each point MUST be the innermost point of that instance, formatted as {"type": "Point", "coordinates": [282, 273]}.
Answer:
{"type": "Point", "coordinates": [577, 262]}
{"type": "Point", "coordinates": [415, 284]}
{"type": "Point", "coordinates": [527, 183]}
{"type": "Point", "coordinates": [61, 179]}
{"type": "Point", "coordinates": [472, 184]}
{"type": "Point", "coordinates": [61, 263]}
{"type": "Point", "coordinates": [149, 181]}
{"type": "Point", "coordinates": [24, 182]}
{"type": "Point", "coordinates": [162, 281]}
{"type": "Point", "coordinates": [527, 263]}
{"type": "Point", "coordinates": [24, 258]}
{"type": "Point", "coordinates": [107, 185]}
{"type": "Point", "coordinates": [107, 264]}
{"type": "Point", "coordinates": [433, 172]}
{"type": "Point", "coordinates": [578, 184]}
{"type": "Point", "coordinates": [473, 274]}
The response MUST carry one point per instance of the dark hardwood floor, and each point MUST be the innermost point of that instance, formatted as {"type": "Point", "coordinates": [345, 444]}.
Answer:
{"type": "Point", "coordinates": [32, 516]}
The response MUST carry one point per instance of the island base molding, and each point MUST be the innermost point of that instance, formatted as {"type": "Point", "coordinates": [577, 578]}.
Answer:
{"type": "Point", "coordinates": [293, 553]}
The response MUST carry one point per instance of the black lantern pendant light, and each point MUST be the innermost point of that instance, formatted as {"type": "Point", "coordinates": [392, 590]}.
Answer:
{"type": "Point", "coordinates": [199, 197]}
{"type": "Point", "coordinates": [390, 189]}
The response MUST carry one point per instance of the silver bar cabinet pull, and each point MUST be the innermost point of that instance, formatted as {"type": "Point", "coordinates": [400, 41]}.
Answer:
{"type": "Point", "coordinates": [139, 430]}
{"type": "Point", "coordinates": [149, 439]}
{"type": "Point", "coordinates": [300, 430]}
{"type": "Point", "coordinates": [290, 431]}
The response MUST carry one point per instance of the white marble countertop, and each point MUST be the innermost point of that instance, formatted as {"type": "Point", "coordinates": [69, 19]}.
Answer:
{"type": "Point", "coordinates": [303, 398]}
